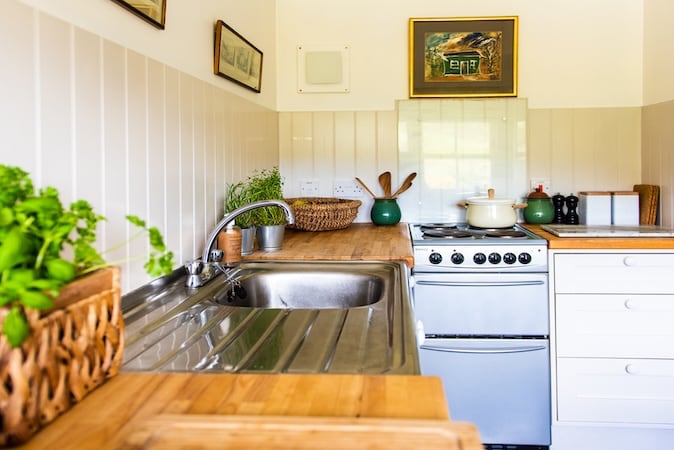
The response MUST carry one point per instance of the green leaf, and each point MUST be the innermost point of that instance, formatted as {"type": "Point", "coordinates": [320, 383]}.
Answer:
{"type": "Point", "coordinates": [36, 300]}
{"type": "Point", "coordinates": [137, 221]}
{"type": "Point", "coordinates": [15, 327]}
{"type": "Point", "coordinates": [60, 269]}
{"type": "Point", "coordinates": [156, 240]}
{"type": "Point", "coordinates": [10, 250]}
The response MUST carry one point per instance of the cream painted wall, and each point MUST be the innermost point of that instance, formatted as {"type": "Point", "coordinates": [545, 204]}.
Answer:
{"type": "Point", "coordinates": [658, 48]}
{"type": "Point", "coordinates": [130, 134]}
{"type": "Point", "coordinates": [187, 41]}
{"type": "Point", "coordinates": [572, 53]}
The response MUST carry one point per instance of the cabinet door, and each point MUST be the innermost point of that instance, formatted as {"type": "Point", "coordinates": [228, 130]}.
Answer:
{"type": "Point", "coordinates": [604, 273]}
{"type": "Point", "coordinates": [615, 390]}
{"type": "Point", "coordinates": [615, 325]}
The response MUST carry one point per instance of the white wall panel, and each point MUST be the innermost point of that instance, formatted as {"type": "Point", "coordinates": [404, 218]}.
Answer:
{"type": "Point", "coordinates": [129, 134]}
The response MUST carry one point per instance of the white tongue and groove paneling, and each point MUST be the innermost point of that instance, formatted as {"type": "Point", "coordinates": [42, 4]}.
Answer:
{"type": "Point", "coordinates": [127, 133]}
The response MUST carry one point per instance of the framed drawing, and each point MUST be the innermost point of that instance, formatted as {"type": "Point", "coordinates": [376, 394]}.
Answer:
{"type": "Point", "coordinates": [237, 59]}
{"type": "Point", "coordinates": [152, 11]}
{"type": "Point", "coordinates": [463, 57]}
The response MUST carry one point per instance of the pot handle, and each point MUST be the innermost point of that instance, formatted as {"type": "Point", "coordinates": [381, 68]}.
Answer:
{"type": "Point", "coordinates": [519, 205]}
{"type": "Point", "coordinates": [462, 204]}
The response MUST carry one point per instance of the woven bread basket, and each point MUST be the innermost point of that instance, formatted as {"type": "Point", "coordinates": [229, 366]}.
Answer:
{"type": "Point", "coordinates": [71, 351]}
{"type": "Point", "coordinates": [323, 213]}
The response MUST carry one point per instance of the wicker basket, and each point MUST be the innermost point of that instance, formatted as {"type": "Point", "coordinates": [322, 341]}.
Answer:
{"type": "Point", "coordinates": [72, 350]}
{"type": "Point", "coordinates": [323, 213]}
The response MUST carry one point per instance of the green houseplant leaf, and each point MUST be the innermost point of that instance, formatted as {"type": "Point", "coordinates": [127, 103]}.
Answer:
{"type": "Point", "coordinates": [36, 230]}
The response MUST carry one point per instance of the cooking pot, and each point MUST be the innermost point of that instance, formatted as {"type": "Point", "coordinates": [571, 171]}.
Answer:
{"type": "Point", "coordinates": [491, 212]}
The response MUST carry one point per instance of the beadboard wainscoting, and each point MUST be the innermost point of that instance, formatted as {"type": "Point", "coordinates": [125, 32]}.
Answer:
{"type": "Point", "coordinates": [132, 136]}
{"type": "Point", "coordinates": [658, 156]}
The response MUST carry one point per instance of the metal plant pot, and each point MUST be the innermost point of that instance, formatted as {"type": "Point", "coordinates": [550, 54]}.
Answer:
{"type": "Point", "coordinates": [270, 237]}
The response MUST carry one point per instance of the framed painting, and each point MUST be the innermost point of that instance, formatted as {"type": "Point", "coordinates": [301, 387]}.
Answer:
{"type": "Point", "coordinates": [463, 57]}
{"type": "Point", "coordinates": [237, 59]}
{"type": "Point", "coordinates": [152, 11]}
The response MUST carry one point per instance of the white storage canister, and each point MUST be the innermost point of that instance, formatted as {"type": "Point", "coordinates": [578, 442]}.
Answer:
{"type": "Point", "coordinates": [625, 208]}
{"type": "Point", "coordinates": [594, 208]}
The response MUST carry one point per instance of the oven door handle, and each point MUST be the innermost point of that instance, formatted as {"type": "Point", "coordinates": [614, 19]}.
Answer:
{"type": "Point", "coordinates": [481, 284]}
{"type": "Point", "coordinates": [484, 350]}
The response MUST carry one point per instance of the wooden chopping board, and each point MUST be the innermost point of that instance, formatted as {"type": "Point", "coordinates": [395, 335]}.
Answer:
{"type": "Point", "coordinates": [206, 431]}
{"type": "Point", "coordinates": [648, 203]}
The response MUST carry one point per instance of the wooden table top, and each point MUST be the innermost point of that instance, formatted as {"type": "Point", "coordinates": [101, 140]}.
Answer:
{"type": "Point", "coordinates": [111, 413]}
{"type": "Point", "coordinates": [360, 241]}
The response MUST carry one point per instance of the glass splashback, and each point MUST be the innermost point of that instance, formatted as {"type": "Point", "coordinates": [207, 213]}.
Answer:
{"type": "Point", "coordinates": [459, 149]}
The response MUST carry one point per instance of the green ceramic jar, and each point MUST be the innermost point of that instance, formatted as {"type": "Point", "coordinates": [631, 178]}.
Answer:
{"type": "Point", "coordinates": [539, 208]}
{"type": "Point", "coordinates": [385, 211]}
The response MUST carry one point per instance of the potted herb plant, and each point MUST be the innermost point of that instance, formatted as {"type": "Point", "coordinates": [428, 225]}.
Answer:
{"type": "Point", "coordinates": [238, 195]}
{"type": "Point", "coordinates": [62, 332]}
{"type": "Point", "coordinates": [267, 184]}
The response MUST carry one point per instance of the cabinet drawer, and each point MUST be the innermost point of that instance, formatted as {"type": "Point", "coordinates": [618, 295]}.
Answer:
{"type": "Point", "coordinates": [604, 273]}
{"type": "Point", "coordinates": [615, 390]}
{"type": "Point", "coordinates": [615, 325]}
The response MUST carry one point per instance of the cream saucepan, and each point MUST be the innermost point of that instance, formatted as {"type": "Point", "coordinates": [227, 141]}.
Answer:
{"type": "Point", "coordinates": [491, 211]}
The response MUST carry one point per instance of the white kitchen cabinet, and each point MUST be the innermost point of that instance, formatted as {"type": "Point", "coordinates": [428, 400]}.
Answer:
{"type": "Point", "coordinates": [613, 347]}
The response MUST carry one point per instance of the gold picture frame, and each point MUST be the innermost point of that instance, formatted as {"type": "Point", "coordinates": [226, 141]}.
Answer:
{"type": "Point", "coordinates": [151, 11]}
{"type": "Point", "coordinates": [236, 59]}
{"type": "Point", "coordinates": [463, 57]}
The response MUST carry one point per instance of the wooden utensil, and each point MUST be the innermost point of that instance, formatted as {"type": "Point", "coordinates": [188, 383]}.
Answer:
{"type": "Point", "coordinates": [365, 187]}
{"type": "Point", "coordinates": [407, 183]}
{"type": "Point", "coordinates": [385, 183]}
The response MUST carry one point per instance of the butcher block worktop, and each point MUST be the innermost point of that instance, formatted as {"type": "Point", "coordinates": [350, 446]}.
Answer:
{"type": "Point", "coordinates": [603, 243]}
{"type": "Point", "coordinates": [360, 241]}
{"type": "Point", "coordinates": [128, 409]}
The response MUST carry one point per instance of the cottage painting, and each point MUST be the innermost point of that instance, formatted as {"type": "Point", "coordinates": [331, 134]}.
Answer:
{"type": "Point", "coordinates": [463, 56]}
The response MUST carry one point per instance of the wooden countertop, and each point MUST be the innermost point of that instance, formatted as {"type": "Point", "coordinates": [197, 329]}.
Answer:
{"type": "Point", "coordinates": [111, 413]}
{"type": "Point", "coordinates": [584, 243]}
{"type": "Point", "coordinates": [360, 241]}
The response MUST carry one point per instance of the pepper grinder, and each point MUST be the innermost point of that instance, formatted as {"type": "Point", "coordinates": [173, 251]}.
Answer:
{"type": "Point", "coordinates": [571, 215]}
{"type": "Point", "coordinates": [558, 202]}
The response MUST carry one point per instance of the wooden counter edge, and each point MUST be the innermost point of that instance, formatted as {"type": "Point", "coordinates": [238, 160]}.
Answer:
{"type": "Point", "coordinates": [589, 243]}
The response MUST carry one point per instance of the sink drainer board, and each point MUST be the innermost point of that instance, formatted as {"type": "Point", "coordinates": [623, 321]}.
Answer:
{"type": "Point", "coordinates": [363, 326]}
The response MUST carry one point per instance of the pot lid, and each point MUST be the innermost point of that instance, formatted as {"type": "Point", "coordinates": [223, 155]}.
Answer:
{"type": "Point", "coordinates": [538, 193]}
{"type": "Point", "coordinates": [490, 200]}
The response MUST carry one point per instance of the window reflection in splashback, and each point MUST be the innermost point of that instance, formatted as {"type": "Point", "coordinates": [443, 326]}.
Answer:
{"type": "Point", "coordinates": [459, 149]}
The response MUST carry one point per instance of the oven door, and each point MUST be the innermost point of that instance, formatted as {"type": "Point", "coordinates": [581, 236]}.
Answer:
{"type": "Point", "coordinates": [500, 385]}
{"type": "Point", "coordinates": [496, 304]}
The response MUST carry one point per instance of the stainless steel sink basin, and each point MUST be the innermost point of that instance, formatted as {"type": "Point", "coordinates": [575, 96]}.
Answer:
{"type": "Point", "coordinates": [276, 317]}
{"type": "Point", "coordinates": [303, 286]}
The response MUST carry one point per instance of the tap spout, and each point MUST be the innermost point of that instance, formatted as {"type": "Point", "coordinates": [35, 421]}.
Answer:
{"type": "Point", "coordinates": [229, 217]}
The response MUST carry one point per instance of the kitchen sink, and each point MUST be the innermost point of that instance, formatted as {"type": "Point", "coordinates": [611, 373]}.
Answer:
{"type": "Point", "coordinates": [276, 317]}
{"type": "Point", "coordinates": [304, 286]}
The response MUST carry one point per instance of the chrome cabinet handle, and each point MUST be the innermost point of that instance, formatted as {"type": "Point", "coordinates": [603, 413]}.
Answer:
{"type": "Point", "coordinates": [532, 348]}
{"type": "Point", "coordinates": [478, 284]}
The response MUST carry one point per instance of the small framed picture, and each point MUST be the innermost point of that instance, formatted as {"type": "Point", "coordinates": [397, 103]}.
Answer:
{"type": "Point", "coordinates": [152, 11]}
{"type": "Point", "coordinates": [237, 59]}
{"type": "Point", "coordinates": [463, 57]}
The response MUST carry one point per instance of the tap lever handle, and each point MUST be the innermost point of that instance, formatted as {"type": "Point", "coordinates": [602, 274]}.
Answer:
{"type": "Point", "coordinates": [194, 267]}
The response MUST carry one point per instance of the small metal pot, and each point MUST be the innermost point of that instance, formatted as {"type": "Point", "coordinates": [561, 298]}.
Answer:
{"type": "Point", "coordinates": [491, 212]}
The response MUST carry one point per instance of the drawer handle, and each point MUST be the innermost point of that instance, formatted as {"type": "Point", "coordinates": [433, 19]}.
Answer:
{"type": "Point", "coordinates": [629, 304]}
{"type": "Point", "coordinates": [631, 369]}
{"type": "Point", "coordinates": [630, 261]}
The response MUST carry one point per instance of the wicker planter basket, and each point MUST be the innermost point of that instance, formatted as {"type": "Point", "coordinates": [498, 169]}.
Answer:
{"type": "Point", "coordinates": [323, 213]}
{"type": "Point", "coordinates": [72, 350]}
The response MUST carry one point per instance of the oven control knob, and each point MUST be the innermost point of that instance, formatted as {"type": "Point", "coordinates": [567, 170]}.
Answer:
{"type": "Point", "coordinates": [524, 258]}
{"type": "Point", "coordinates": [479, 258]}
{"type": "Point", "coordinates": [457, 258]}
{"type": "Point", "coordinates": [509, 258]}
{"type": "Point", "coordinates": [494, 258]}
{"type": "Point", "coordinates": [435, 258]}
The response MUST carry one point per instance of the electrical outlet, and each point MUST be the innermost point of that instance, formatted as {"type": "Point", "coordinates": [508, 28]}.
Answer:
{"type": "Point", "coordinates": [309, 188]}
{"type": "Point", "coordinates": [535, 182]}
{"type": "Point", "coordinates": [347, 189]}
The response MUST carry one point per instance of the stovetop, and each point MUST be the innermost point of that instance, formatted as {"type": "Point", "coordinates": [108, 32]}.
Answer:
{"type": "Point", "coordinates": [457, 247]}
{"type": "Point", "coordinates": [464, 234]}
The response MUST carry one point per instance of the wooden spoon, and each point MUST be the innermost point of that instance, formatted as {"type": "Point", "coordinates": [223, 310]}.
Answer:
{"type": "Point", "coordinates": [385, 183]}
{"type": "Point", "coordinates": [365, 187]}
{"type": "Point", "coordinates": [405, 186]}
